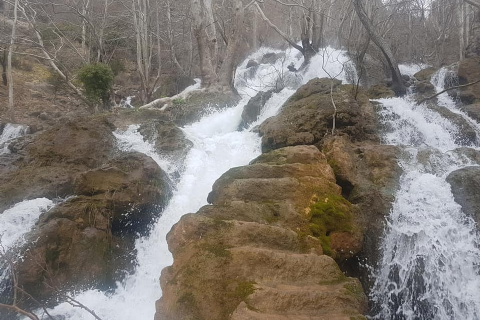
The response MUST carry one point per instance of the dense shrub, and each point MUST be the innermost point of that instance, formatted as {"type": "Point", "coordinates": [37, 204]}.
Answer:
{"type": "Point", "coordinates": [97, 79]}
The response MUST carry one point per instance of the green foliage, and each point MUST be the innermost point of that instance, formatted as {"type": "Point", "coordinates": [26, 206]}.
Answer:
{"type": "Point", "coordinates": [179, 102]}
{"type": "Point", "coordinates": [97, 79]}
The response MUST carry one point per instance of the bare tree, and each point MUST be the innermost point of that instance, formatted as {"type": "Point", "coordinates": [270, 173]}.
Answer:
{"type": "Point", "coordinates": [397, 80]}
{"type": "Point", "coordinates": [9, 59]}
{"type": "Point", "coordinates": [213, 76]}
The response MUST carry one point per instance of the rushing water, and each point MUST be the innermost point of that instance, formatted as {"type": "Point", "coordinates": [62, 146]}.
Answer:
{"type": "Point", "coordinates": [430, 255]}
{"type": "Point", "coordinates": [217, 147]}
{"type": "Point", "coordinates": [9, 133]}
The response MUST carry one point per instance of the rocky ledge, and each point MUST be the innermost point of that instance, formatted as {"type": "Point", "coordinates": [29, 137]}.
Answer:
{"type": "Point", "coordinates": [282, 236]}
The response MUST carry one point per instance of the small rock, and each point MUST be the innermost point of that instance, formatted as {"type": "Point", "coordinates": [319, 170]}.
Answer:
{"type": "Point", "coordinates": [252, 63]}
{"type": "Point", "coordinates": [271, 57]}
{"type": "Point", "coordinates": [44, 116]}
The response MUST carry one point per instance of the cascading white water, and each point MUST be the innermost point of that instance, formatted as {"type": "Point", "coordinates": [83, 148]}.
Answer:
{"type": "Point", "coordinates": [19, 219]}
{"type": "Point", "coordinates": [430, 251]}
{"type": "Point", "coordinates": [217, 147]}
{"type": "Point", "coordinates": [15, 223]}
{"type": "Point", "coordinates": [11, 132]}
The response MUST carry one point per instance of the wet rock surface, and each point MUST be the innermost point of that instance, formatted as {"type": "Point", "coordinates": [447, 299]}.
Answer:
{"type": "Point", "coordinates": [168, 139]}
{"type": "Point", "coordinates": [307, 117]}
{"type": "Point", "coordinates": [88, 240]}
{"type": "Point", "coordinates": [465, 185]}
{"type": "Point", "coordinates": [379, 91]}
{"type": "Point", "coordinates": [261, 246]}
{"type": "Point", "coordinates": [254, 107]}
{"type": "Point", "coordinates": [45, 165]}
{"type": "Point", "coordinates": [469, 72]}
{"type": "Point", "coordinates": [110, 198]}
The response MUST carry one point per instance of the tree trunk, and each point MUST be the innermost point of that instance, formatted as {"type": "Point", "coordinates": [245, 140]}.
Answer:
{"type": "Point", "coordinates": [254, 30]}
{"type": "Point", "coordinates": [9, 60]}
{"type": "Point", "coordinates": [462, 13]}
{"type": "Point", "coordinates": [207, 70]}
{"type": "Point", "coordinates": [397, 86]}
{"type": "Point", "coordinates": [226, 72]}
{"type": "Point", "coordinates": [4, 68]}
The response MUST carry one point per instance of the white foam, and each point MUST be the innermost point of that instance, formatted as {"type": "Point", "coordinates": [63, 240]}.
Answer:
{"type": "Point", "coordinates": [19, 220]}
{"type": "Point", "coordinates": [430, 254]}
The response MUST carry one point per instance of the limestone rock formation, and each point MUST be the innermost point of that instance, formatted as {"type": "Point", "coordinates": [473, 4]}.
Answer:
{"type": "Point", "coordinates": [425, 74]}
{"type": "Point", "coordinates": [264, 246]}
{"type": "Point", "coordinates": [88, 240]}
{"type": "Point", "coordinates": [168, 139]}
{"type": "Point", "coordinates": [45, 165]}
{"type": "Point", "coordinates": [307, 117]}
{"type": "Point", "coordinates": [261, 246]}
{"type": "Point", "coordinates": [468, 72]}
{"type": "Point", "coordinates": [465, 184]}
{"type": "Point", "coordinates": [379, 91]}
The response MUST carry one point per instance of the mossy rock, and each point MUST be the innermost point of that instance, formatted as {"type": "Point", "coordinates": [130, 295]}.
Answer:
{"type": "Point", "coordinates": [425, 74]}
{"type": "Point", "coordinates": [380, 92]}
{"type": "Point", "coordinates": [330, 213]}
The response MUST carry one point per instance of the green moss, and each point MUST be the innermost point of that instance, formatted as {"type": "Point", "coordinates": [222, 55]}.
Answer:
{"type": "Point", "coordinates": [179, 101]}
{"type": "Point", "coordinates": [334, 165]}
{"type": "Point", "coordinates": [331, 213]}
{"type": "Point", "coordinates": [355, 290]}
{"type": "Point", "coordinates": [244, 289]}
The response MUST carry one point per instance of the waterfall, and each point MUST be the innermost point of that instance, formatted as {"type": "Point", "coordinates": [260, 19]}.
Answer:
{"type": "Point", "coordinates": [217, 147]}
{"type": "Point", "coordinates": [19, 219]}
{"type": "Point", "coordinates": [429, 267]}
{"type": "Point", "coordinates": [9, 133]}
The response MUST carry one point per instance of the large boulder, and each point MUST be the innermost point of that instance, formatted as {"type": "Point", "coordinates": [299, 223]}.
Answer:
{"type": "Point", "coordinates": [262, 248]}
{"type": "Point", "coordinates": [425, 74]}
{"type": "Point", "coordinates": [469, 72]}
{"type": "Point", "coordinates": [45, 164]}
{"type": "Point", "coordinates": [168, 139]}
{"type": "Point", "coordinates": [88, 240]}
{"type": "Point", "coordinates": [254, 107]}
{"type": "Point", "coordinates": [369, 175]}
{"type": "Point", "coordinates": [307, 117]}
{"type": "Point", "coordinates": [465, 184]}
{"type": "Point", "coordinates": [380, 91]}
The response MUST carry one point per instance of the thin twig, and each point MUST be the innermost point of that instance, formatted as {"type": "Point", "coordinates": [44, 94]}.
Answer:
{"type": "Point", "coordinates": [446, 90]}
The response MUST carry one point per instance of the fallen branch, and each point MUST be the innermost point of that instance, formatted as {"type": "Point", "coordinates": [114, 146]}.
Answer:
{"type": "Point", "coordinates": [446, 90]}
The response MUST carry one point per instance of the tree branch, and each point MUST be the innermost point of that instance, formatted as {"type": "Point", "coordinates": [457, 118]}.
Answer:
{"type": "Point", "coordinates": [473, 3]}
{"type": "Point", "coordinates": [280, 32]}
{"type": "Point", "coordinates": [446, 90]}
